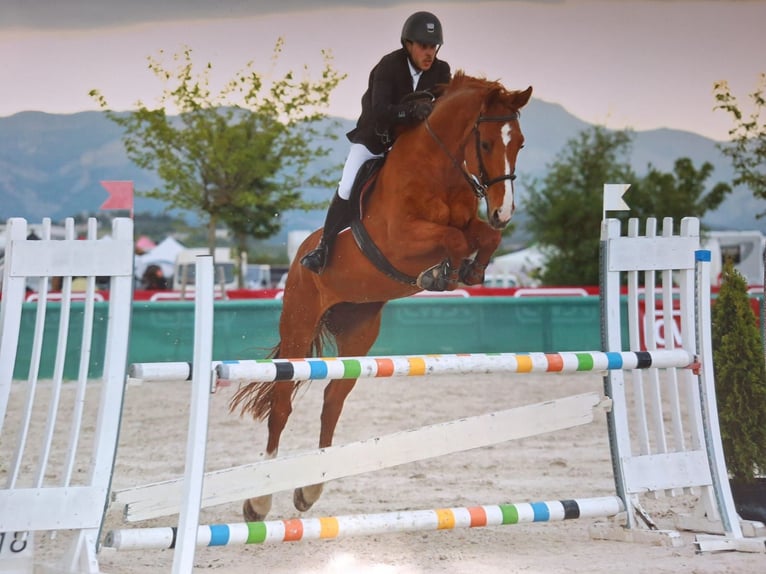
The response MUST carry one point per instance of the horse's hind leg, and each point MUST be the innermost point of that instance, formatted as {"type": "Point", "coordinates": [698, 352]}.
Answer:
{"type": "Point", "coordinates": [355, 327]}
{"type": "Point", "coordinates": [255, 509]}
{"type": "Point", "coordinates": [298, 328]}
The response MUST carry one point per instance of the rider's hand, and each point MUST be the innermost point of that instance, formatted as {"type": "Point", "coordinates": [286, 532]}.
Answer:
{"type": "Point", "coordinates": [419, 111]}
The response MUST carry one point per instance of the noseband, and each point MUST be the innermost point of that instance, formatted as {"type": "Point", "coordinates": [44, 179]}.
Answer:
{"type": "Point", "coordinates": [481, 183]}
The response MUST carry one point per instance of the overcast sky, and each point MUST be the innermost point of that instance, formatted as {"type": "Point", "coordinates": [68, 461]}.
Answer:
{"type": "Point", "coordinates": [642, 64]}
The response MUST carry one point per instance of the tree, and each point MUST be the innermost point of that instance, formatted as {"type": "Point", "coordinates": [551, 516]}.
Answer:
{"type": "Point", "coordinates": [747, 148]}
{"type": "Point", "coordinates": [679, 194]}
{"type": "Point", "coordinates": [238, 157]}
{"type": "Point", "coordinates": [564, 209]}
{"type": "Point", "coordinates": [740, 378]}
{"type": "Point", "coordinates": [565, 212]}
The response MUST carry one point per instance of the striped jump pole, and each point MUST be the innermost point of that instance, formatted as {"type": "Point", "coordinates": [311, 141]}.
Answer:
{"type": "Point", "coordinates": [268, 370]}
{"type": "Point", "coordinates": [164, 372]}
{"type": "Point", "coordinates": [297, 529]}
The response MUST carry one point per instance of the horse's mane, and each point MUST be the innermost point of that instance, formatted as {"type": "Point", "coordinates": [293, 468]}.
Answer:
{"type": "Point", "coordinates": [461, 81]}
{"type": "Point", "coordinates": [462, 85]}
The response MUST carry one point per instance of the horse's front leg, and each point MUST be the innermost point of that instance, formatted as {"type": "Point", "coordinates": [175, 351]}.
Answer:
{"type": "Point", "coordinates": [449, 241]}
{"type": "Point", "coordinates": [484, 240]}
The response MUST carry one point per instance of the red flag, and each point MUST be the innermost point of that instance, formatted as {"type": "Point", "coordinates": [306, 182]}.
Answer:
{"type": "Point", "coordinates": [120, 195]}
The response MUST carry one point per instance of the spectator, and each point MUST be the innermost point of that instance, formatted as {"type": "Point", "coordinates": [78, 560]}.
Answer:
{"type": "Point", "coordinates": [154, 279]}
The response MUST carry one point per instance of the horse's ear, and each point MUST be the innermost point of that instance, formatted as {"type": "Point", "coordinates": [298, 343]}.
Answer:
{"type": "Point", "coordinates": [496, 95]}
{"type": "Point", "coordinates": [521, 99]}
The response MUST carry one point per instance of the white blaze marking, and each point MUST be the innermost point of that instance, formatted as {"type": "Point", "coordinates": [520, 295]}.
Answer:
{"type": "Point", "coordinates": [506, 211]}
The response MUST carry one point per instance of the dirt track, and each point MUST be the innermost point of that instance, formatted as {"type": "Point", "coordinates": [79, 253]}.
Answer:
{"type": "Point", "coordinates": [566, 464]}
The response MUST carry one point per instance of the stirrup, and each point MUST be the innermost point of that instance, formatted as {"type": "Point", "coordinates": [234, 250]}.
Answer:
{"type": "Point", "coordinates": [316, 259]}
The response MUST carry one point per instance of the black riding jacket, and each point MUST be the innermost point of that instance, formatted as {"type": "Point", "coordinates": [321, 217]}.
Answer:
{"type": "Point", "coordinates": [390, 80]}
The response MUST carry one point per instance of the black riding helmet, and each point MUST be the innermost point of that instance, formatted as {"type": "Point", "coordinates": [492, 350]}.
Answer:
{"type": "Point", "coordinates": [422, 27]}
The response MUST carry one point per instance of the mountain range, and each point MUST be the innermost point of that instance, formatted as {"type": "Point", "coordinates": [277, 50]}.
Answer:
{"type": "Point", "coordinates": [51, 165]}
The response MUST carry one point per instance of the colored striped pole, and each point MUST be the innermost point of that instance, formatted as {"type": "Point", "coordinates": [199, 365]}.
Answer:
{"type": "Point", "coordinates": [275, 531]}
{"type": "Point", "coordinates": [269, 370]}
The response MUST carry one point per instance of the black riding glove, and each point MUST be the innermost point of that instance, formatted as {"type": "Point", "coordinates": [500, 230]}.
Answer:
{"type": "Point", "coordinates": [419, 111]}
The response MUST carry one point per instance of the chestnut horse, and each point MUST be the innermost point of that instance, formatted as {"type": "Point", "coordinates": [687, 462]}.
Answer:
{"type": "Point", "coordinates": [423, 217]}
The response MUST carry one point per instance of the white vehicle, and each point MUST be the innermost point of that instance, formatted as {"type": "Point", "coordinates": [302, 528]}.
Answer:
{"type": "Point", "coordinates": [258, 276]}
{"type": "Point", "coordinates": [505, 280]}
{"type": "Point", "coordinates": [225, 268]}
{"type": "Point", "coordinates": [744, 248]}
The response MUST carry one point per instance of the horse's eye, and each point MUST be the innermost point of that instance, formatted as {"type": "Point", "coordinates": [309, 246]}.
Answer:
{"type": "Point", "coordinates": [486, 146]}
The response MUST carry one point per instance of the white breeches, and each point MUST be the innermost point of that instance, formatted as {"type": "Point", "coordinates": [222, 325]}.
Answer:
{"type": "Point", "coordinates": [357, 155]}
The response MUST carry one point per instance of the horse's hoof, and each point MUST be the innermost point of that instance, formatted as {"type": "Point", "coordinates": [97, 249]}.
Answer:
{"type": "Point", "coordinates": [471, 273]}
{"type": "Point", "coordinates": [250, 514]}
{"type": "Point", "coordinates": [436, 278]}
{"type": "Point", "coordinates": [300, 502]}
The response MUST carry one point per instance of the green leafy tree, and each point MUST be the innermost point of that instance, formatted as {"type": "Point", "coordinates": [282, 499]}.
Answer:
{"type": "Point", "coordinates": [682, 193]}
{"type": "Point", "coordinates": [564, 209]}
{"type": "Point", "coordinates": [747, 147]}
{"type": "Point", "coordinates": [740, 378]}
{"type": "Point", "coordinates": [239, 157]}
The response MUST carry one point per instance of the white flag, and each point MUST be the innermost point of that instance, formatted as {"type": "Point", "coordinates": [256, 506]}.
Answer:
{"type": "Point", "coordinates": [613, 201]}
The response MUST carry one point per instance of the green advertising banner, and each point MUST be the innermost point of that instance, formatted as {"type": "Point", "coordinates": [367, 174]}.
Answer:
{"type": "Point", "coordinates": [248, 329]}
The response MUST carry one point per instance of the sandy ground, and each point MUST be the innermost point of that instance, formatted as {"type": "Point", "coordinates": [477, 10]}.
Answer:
{"type": "Point", "coordinates": [566, 464]}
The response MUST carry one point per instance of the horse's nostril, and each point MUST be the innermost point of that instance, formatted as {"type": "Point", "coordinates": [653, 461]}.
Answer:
{"type": "Point", "coordinates": [499, 222]}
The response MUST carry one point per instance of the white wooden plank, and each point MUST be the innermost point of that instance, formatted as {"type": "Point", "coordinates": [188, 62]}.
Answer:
{"type": "Point", "coordinates": [651, 253]}
{"type": "Point", "coordinates": [287, 472]}
{"type": "Point", "coordinates": [107, 257]}
{"type": "Point", "coordinates": [51, 508]}
{"type": "Point", "coordinates": [666, 471]}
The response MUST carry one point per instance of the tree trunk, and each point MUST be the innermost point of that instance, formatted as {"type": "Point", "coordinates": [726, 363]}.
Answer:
{"type": "Point", "coordinates": [211, 225]}
{"type": "Point", "coordinates": [241, 255]}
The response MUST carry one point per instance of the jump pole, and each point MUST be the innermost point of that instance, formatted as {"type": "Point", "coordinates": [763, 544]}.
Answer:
{"type": "Point", "coordinates": [268, 370]}
{"type": "Point", "coordinates": [298, 529]}
{"type": "Point", "coordinates": [325, 368]}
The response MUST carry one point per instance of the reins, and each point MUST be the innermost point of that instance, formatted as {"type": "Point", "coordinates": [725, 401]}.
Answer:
{"type": "Point", "coordinates": [479, 184]}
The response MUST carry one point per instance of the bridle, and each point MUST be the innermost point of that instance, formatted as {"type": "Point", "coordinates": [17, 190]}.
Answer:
{"type": "Point", "coordinates": [480, 184]}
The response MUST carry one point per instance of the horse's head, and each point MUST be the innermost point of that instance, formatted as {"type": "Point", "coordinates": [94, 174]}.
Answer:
{"type": "Point", "coordinates": [498, 139]}
{"type": "Point", "coordinates": [492, 143]}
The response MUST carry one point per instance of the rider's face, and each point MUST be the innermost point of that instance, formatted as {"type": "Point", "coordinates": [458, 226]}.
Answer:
{"type": "Point", "coordinates": [422, 55]}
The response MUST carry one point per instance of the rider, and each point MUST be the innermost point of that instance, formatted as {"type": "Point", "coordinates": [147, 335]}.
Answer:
{"type": "Point", "coordinates": [413, 67]}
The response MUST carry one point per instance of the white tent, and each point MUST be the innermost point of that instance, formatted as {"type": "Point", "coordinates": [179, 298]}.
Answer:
{"type": "Point", "coordinates": [522, 266]}
{"type": "Point", "coordinates": [524, 260]}
{"type": "Point", "coordinates": [164, 255]}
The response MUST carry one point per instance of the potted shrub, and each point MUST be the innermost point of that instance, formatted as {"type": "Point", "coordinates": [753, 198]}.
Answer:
{"type": "Point", "coordinates": [740, 378]}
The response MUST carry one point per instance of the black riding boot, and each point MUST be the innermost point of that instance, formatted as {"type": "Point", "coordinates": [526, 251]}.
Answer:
{"type": "Point", "coordinates": [336, 219]}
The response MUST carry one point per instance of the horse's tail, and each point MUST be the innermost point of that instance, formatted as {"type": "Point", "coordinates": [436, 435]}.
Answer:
{"type": "Point", "coordinates": [256, 398]}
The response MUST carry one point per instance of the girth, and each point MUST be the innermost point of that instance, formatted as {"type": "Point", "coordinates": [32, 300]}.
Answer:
{"type": "Point", "coordinates": [363, 187]}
